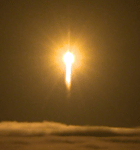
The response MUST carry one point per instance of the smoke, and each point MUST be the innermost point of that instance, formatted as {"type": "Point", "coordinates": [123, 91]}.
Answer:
{"type": "Point", "coordinates": [59, 129]}
{"type": "Point", "coordinates": [52, 136]}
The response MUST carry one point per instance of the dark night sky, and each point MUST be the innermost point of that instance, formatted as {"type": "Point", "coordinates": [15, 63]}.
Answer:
{"type": "Point", "coordinates": [105, 88]}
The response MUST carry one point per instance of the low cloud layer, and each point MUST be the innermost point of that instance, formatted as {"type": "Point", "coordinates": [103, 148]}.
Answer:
{"type": "Point", "coordinates": [59, 129]}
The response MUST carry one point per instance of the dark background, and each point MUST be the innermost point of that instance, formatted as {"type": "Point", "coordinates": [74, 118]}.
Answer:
{"type": "Point", "coordinates": [105, 87]}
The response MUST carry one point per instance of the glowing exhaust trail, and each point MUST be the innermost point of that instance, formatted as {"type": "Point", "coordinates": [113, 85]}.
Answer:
{"type": "Point", "coordinates": [68, 59]}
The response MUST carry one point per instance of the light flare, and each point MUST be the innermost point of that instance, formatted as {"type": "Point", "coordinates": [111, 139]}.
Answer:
{"type": "Point", "coordinates": [68, 59]}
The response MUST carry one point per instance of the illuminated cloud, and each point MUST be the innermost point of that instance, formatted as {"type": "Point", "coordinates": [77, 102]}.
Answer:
{"type": "Point", "coordinates": [52, 136]}
{"type": "Point", "coordinates": [59, 129]}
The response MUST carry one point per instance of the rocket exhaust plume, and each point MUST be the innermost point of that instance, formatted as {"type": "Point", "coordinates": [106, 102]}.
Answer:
{"type": "Point", "coordinates": [68, 59]}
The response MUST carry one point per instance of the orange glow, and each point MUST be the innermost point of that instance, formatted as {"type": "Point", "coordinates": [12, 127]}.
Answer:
{"type": "Point", "coordinates": [68, 59]}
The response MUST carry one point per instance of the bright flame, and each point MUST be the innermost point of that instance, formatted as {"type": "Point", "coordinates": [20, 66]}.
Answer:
{"type": "Point", "coordinates": [68, 59]}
